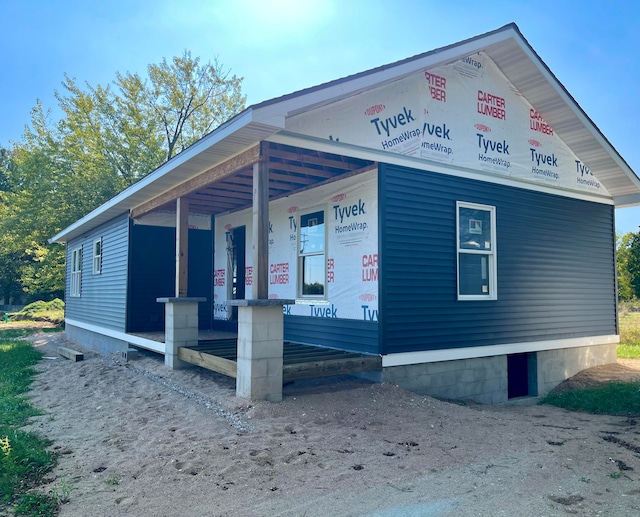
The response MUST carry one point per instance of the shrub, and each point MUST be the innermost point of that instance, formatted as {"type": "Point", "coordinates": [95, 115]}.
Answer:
{"type": "Point", "coordinates": [52, 312]}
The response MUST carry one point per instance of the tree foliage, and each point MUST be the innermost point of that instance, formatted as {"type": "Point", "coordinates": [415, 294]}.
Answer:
{"type": "Point", "coordinates": [187, 99]}
{"type": "Point", "coordinates": [628, 260]}
{"type": "Point", "coordinates": [107, 138]}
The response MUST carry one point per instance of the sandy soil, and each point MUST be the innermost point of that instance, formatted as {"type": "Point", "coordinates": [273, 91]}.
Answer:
{"type": "Point", "coordinates": [137, 439]}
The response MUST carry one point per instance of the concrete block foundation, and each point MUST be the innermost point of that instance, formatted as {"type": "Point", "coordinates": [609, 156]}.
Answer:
{"type": "Point", "coordinates": [95, 342]}
{"type": "Point", "coordinates": [554, 366]}
{"type": "Point", "coordinates": [260, 351]}
{"type": "Point", "coordinates": [486, 379]}
{"type": "Point", "coordinates": [181, 328]}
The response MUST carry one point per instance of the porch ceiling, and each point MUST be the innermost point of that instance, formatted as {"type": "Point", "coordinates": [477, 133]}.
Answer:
{"type": "Point", "coordinates": [291, 169]}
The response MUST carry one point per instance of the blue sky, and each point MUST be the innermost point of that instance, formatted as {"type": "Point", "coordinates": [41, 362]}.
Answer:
{"type": "Point", "coordinates": [280, 46]}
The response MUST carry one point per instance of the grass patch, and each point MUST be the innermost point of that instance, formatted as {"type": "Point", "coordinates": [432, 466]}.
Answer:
{"type": "Point", "coordinates": [36, 504]}
{"type": "Point", "coordinates": [629, 327]}
{"type": "Point", "coordinates": [628, 351]}
{"type": "Point", "coordinates": [14, 333]}
{"type": "Point", "coordinates": [614, 398]}
{"type": "Point", "coordinates": [51, 330]}
{"type": "Point", "coordinates": [24, 458]}
{"type": "Point", "coordinates": [629, 347]}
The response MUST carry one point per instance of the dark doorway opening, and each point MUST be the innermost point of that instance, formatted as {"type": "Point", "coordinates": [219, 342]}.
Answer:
{"type": "Point", "coordinates": [236, 265]}
{"type": "Point", "coordinates": [522, 375]}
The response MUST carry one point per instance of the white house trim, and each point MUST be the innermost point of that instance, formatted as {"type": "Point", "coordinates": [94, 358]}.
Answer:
{"type": "Point", "coordinates": [454, 354]}
{"type": "Point", "coordinates": [141, 342]}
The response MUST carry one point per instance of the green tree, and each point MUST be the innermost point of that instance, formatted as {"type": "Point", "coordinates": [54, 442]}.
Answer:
{"type": "Point", "coordinates": [186, 99]}
{"type": "Point", "coordinates": [5, 161]}
{"type": "Point", "coordinates": [26, 220]}
{"type": "Point", "coordinates": [9, 259]}
{"type": "Point", "coordinates": [106, 139]}
{"type": "Point", "coordinates": [623, 253]}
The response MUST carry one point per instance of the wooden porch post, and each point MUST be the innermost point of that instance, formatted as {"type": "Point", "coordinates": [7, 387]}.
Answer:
{"type": "Point", "coordinates": [181, 312]}
{"type": "Point", "coordinates": [260, 320]}
{"type": "Point", "coordinates": [261, 230]}
{"type": "Point", "coordinates": [182, 246]}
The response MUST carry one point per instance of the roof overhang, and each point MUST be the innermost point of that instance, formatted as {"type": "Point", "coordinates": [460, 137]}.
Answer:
{"type": "Point", "coordinates": [505, 46]}
{"type": "Point", "coordinates": [227, 141]}
{"type": "Point", "coordinates": [512, 53]}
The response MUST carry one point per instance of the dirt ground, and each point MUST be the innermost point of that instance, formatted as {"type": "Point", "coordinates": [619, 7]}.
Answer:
{"type": "Point", "coordinates": [138, 439]}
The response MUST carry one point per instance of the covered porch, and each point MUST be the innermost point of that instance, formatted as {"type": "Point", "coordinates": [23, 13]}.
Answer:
{"type": "Point", "coordinates": [258, 356]}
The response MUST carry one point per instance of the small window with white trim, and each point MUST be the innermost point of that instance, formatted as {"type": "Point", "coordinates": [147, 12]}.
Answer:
{"type": "Point", "coordinates": [476, 243]}
{"type": "Point", "coordinates": [97, 256]}
{"type": "Point", "coordinates": [76, 272]}
{"type": "Point", "coordinates": [311, 256]}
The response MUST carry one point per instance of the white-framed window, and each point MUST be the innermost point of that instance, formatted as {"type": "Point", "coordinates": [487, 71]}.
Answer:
{"type": "Point", "coordinates": [311, 256]}
{"type": "Point", "coordinates": [476, 251]}
{"type": "Point", "coordinates": [97, 256]}
{"type": "Point", "coordinates": [76, 271]}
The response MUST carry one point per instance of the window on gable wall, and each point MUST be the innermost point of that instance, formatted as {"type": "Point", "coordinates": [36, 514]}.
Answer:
{"type": "Point", "coordinates": [476, 243]}
{"type": "Point", "coordinates": [97, 256]}
{"type": "Point", "coordinates": [311, 256]}
{"type": "Point", "coordinates": [76, 272]}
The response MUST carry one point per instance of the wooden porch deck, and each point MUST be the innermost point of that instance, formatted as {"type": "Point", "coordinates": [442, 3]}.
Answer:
{"type": "Point", "coordinates": [217, 351]}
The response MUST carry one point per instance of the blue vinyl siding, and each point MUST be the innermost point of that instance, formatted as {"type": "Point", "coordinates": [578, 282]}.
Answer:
{"type": "Point", "coordinates": [103, 296]}
{"type": "Point", "coordinates": [352, 335]}
{"type": "Point", "coordinates": [555, 262]}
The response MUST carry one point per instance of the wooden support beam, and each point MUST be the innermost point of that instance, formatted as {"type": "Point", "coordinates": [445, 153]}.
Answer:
{"type": "Point", "coordinates": [261, 230]}
{"type": "Point", "coordinates": [324, 368]}
{"type": "Point", "coordinates": [74, 355]}
{"type": "Point", "coordinates": [231, 166]}
{"type": "Point", "coordinates": [367, 168]}
{"type": "Point", "coordinates": [182, 247]}
{"type": "Point", "coordinates": [208, 361]}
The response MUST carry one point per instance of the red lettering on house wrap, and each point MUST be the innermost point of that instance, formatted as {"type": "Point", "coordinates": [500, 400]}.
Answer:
{"type": "Point", "coordinates": [279, 273]}
{"type": "Point", "coordinates": [282, 267]}
{"type": "Point", "coordinates": [330, 270]}
{"type": "Point", "coordinates": [437, 86]}
{"type": "Point", "coordinates": [370, 268]}
{"type": "Point", "coordinates": [491, 105]}
{"type": "Point", "coordinates": [279, 279]}
{"type": "Point", "coordinates": [537, 123]}
{"type": "Point", "coordinates": [435, 80]}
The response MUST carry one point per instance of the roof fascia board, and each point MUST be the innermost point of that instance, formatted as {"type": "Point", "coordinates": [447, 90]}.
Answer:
{"type": "Point", "coordinates": [365, 153]}
{"type": "Point", "coordinates": [626, 201]}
